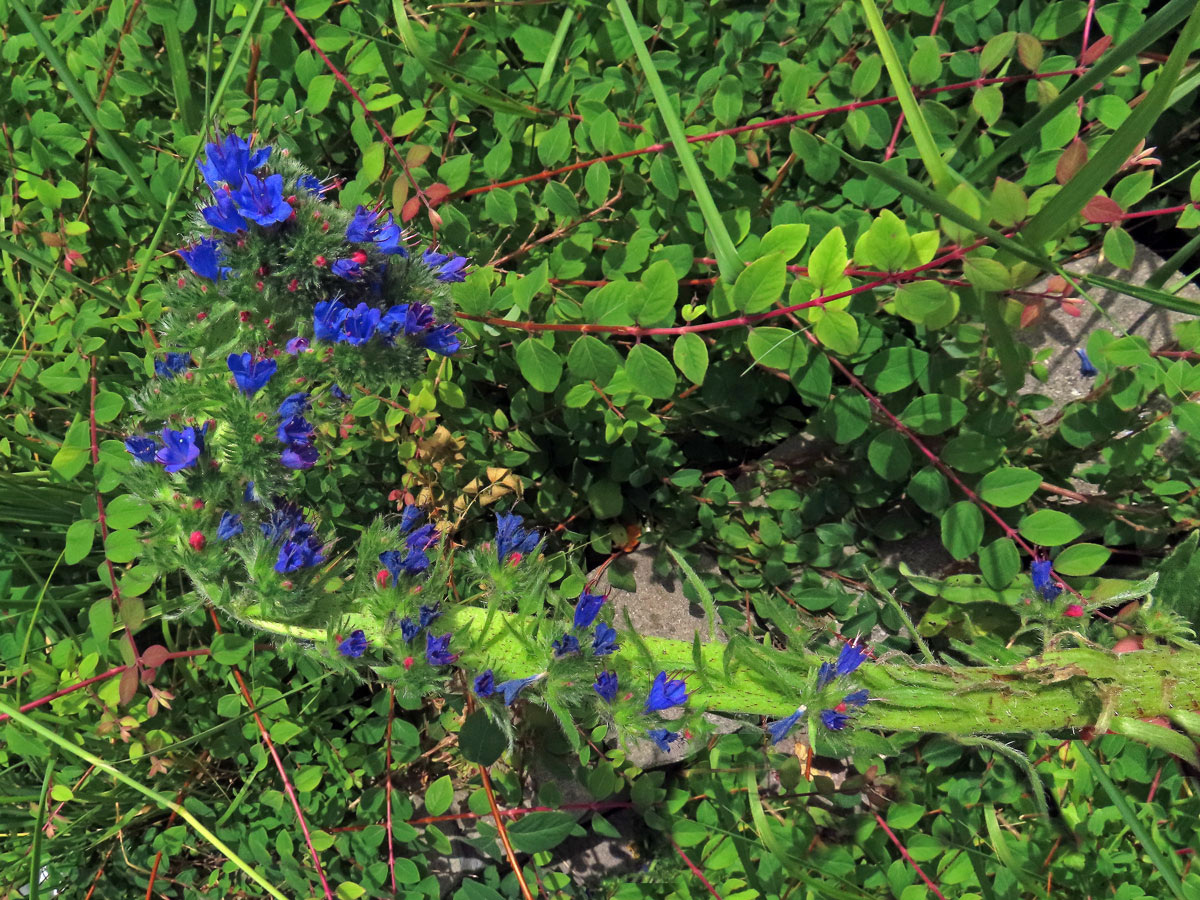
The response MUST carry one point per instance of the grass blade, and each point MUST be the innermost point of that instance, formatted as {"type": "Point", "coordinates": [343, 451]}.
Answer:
{"type": "Point", "coordinates": [1169, 875]}
{"type": "Point", "coordinates": [560, 38]}
{"type": "Point", "coordinates": [706, 597]}
{"type": "Point", "coordinates": [728, 260]}
{"type": "Point", "coordinates": [180, 80]}
{"type": "Point", "coordinates": [142, 268]}
{"type": "Point", "coordinates": [1055, 217]}
{"type": "Point", "coordinates": [84, 101]}
{"type": "Point", "coordinates": [939, 173]}
{"type": "Point", "coordinates": [1154, 28]}
{"type": "Point", "coordinates": [1144, 292]}
{"type": "Point", "coordinates": [17, 717]}
{"type": "Point", "coordinates": [35, 854]}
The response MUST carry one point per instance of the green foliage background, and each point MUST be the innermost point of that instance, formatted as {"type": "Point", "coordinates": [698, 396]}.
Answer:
{"type": "Point", "coordinates": [607, 438]}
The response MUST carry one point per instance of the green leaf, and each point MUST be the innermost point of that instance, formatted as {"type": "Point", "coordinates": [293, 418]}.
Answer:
{"type": "Point", "coordinates": [80, 536]}
{"type": "Point", "coordinates": [1008, 205]}
{"type": "Point", "coordinates": [540, 831]}
{"type": "Point", "coordinates": [786, 239]}
{"type": "Point", "coordinates": [777, 348]}
{"type": "Point", "coordinates": [1010, 486]}
{"type": "Point", "coordinates": [890, 456]}
{"type": "Point", "coordinates": [921, 300]}
{"type": "Point", "coordinates": [72, 456]}
{"type": "Point", "coordinates": [318, 93]}
{"type": "Point", "coordinates": [987, 274]}
{"type": "Point", "coordinates": [1081, 559]}
{"type": "Point", "coordinates": [439, 795]}
{"type": "Point", "coordinates": [123, 546]}
{"type": "Point", "coordinates": [999, 562]}
{"type": "Point", "coordinates": [885, 245]}
{"type": "Point", "coordinates": [650, 372]}
{"type": "Point", "coordinates": [1119, 247]}
{"type": "Point", "coordinates": [108, 406]}
{"type": "Point", "coordinates": [894, 369]}
{"type": "Point", "coordinates": [539, 365]}
{"type": "Point", "coordinates": [760, 284]}
{"type": "Point", "coordinates": [1050, 528]}
{"type": "Point", "coordinates": [480, 741]}
{"type": "Point", "coordinates": [592, 359]}
{"type": "Point", "coordinates": [933, 413]}
{"type": "Point", "coordinates": [555, 144]}
{"type": "Point", "coordinates": [660, 296]}
{"type": "Point", "coordinates": [837, 330]}
{"type": "Point", "coordinates": [904, 815]}
{"type": "Point", "coordinates": [691, 356]}
{"type": "Point", "coordinates": [350, 890]}
{"type": "Point", "coordinates": [230, 649]}
{"type": "Point", "coordinates": [962, 529]}
{"type": "Point", "coordinates": [827, 264]}
{"type": "Point", "coordinates": [100, 620]}
{"type": "Point", "coordinates": [126, 511]}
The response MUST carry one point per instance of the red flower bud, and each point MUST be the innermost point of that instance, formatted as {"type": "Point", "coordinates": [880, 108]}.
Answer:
{"type": "Point", "coordinates": [382, 577]}
{"type": "Point", "coordinates": [197, 504]}
{"type": "Point", "coordinates": [319, 261]}
{"type": "Point", "coordinates": [258, 439]}
{"type": "Point", "coordinates": [408, 662]}
{"type": "Point", "coordinates": [841, 707]}
{"type": "Point", "coordinates": [197, 540]}
{"type": "Point", "coordinates": [181, 282]}
{"type": "Point", "coordinates": [201, 316]}
{"type": "Point", "coordinates": [1074, 611]}
{"type": "Point", "coordinates": [244, 316]}
{"type": "Point", "coordinates": [286, 584]}
{"type": "Point", "coordinates": [292, 199]}
{"type": "Point", "coordinates": [293, 285]}
{"type": "Point", "coordinates": [324, 226]}
{"type": "Point", "coordinates": [359, 257]}
{"type": "Point", "coordinates": [516, 558]}
{"type": "Point", "coordinates": [264, 270]}
{"type": "Point", "coordinates": [316, 214]}
{"type": "Point", "coordinates": [258, 285]}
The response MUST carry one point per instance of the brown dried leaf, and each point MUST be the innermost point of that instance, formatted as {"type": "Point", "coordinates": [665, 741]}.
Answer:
{"type": "Point", "coordinates": [1071, 161]}
{"type": "Point", "coordinates": [129, 685]}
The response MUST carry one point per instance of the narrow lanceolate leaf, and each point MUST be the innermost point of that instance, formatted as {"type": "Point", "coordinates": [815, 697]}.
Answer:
{"type": "Point", "coordinates": [728, 260]}
{"type": "Point", "coordinates": [1055, 217]}
{"type": "Point", "coordinates": [939, 173]}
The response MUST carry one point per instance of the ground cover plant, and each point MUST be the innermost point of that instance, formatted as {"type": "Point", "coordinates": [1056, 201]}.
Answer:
{"type": "Point", "coordinates": [345, 343]}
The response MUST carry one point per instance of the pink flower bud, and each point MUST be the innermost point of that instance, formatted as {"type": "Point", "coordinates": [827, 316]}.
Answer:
{"type": "Point", "coordinates": [197, 504]}
{"type": "Point", "coordinates": [408, 662]}
{"type": "Point", "coordinates": [359, 257]}
{"type": "Point", "coordinates": [319, 261]}
{"type": "Point", "coordinates": [197, 540]}
{"type": "Point", "coordinates": [1074, 611]}
{"type": "Point", "coordinates": [382, 577]}
{"type": "Point", "coordinates": [244, 316]}
{"type": "Point", "coordinates": [201, 316]}
{"type": "Point", "coordinates": [293, 285]}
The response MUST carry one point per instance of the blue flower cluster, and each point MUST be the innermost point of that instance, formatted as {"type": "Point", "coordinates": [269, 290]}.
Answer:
{"type": "Point", "coordinates": [296, 433]}
{"type": "Point", "coordinates": [334, 321]}
{"type": "Point", "coordinates": [299, 546]}
{"type": "Point", "coordinates": [413, 560]}
{"type": "Point", "coordinates": [204, 257]}
{"type": "Point", "coordinates": [485, 686]}
{"type": "Point", "coordinates": [850, 657]}
{"type": "Point", "coordinates": [366, 228]}
{"type": "Point", "coordinates": [511, 538]}
{"type": "Point", "coordinates": [179, 450]}
{"type": "Point", "coordinates": [239, 194]}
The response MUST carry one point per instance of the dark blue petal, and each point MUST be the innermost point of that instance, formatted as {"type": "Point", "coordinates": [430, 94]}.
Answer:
{"type": "Point", "coordinates": [605, 640]}
{"type": "Point", "coordinates": [230, 525]}
{"type": "Point", "coordinates": [565, 645]}
{"type": "Point", "coordinates": [223, 214]}
{"type": "Point", "coordinates": [511, 689]}
{"type": "Point", "coordinates": [1043, 579]}
{"type": "Point", "coordinates": [141, 448]}
{"type": "Point", "coordinates": [833, 720]}
{"type": "Point", "coordinates": [485, 684]}
{"type": "Point", "coordinates": [1086, 369]}
{"type": "Point", "coordinates": [665, 693]}
{"type": "Point", "coordinates": [850, 658]}
{"type": "Point", "coordinates": [587, 607]}
{"type": "Point", "coordinates": [328, 316]}
{"type": "Point", "coordinates": [250, 374]}
{"type": "Point", "coordinates": [299, 456]}
{"type": "Point", "coordinates": [606, 686]}
{"type": "Point", "coordinates": [663, 738]}
{"type": "Point", "coordinates": [179, 450]}
{"type": "Point", "coordinates": [204, 258]}
{"type": "Point", "coordinates": [779, 730]}
{"type": "Point", "coordinates": [354, 646]}
{"type": "Point", "coordinates": [261, 199]}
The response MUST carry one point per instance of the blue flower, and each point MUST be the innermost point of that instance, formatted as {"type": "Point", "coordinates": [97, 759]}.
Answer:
{"type": "Point", "coordinates": [172, 365]}
{"type": "Point", "coordinates": [443, 340]}
{"type": "Point", "coordinates": [824, 675]}
{"type": "Point", "coordinates": [565, 645]}
{"type": "Point", "coordinates": [295, 405]}
{"type": "Point", "coordinates": [587, 607]}
{"type": "Point", "coordinates": [355, 645]}
{"type": "Point", "coordinates": [390, 239]}
{"type": "Point", "coordinates": [833, 720]}
{"type": "Point", "coordinates": [397, 563]}
{"type": "Point", "coordinates": [312, 184]}
{"type": "Point", "coordinates": [250, 374]}
{"type": "Point", "coordinates": [410, 517]}
{"type": "Point", "coordinates": [437, 651]}
{"type": "Point", "coordinates": [1086, 369]}
{"type": "Point", "coordinates": [1043, 583]}
{"type": "Point", "coordinates": [223, 214]}
{"type": "Point", "coordinates": [201, 434]}
{"type": "Point", "coordinates": [409, 629]}
{"type": "Point", "coordinates": [663, 738]}
{"type": "Point", "coordinates": [427, 614]}
{"type": "Point", "coordinates": [230, 161]}
{"type": "Point", "coordinates": [284, 521]}
{"type": "Point", "coordinates": [511, 689]}
{"type": "Point", "coordinates": [605, 640]}
{"type": "Point", "coordinates": [295, 555]}
{"type": "Point", "coordinates": [359, 325]}
{"type": "Point", "coordinates": [179, 449]}
{"type": "Point", "coordinates": [512, 538]}
{"type": "Point", "coordinates": [230, 525]}
{"type": "Point", "coordinates": [328, 316]}
{"type": "Point", "coordinates": [261, 199]}
{"type": "Point", "coordinates": [485, 684]}
{"type": "Point", "coordinates": [204, 258]}
{"type": "Point", "coordinates": [299, 456]}
{"type": "Point", "coordinates": [296, 346]}
{"type": "Point", "coordinates": [295, 430]}
{"type": "Point", "coordinates": [142, 448]}
{"type": "Point", "coordinates": [423, 538]}
{"type": "Point", "coordinates": [779, 730]}
{"type": "Point", "coordinates": [418, 318]}
{"type": "Point", "coordinates": [666, 692]}
{"type": "Point", "coordinates": [447, 268]}
{"type": "Point", "coordinates": [858, 698]}
{"type": "Point", "coordinates": [346, 268]}
{"type": "Point", "coordinates": [248, 494]}
{"type": "Point", "coordinates": [339, 394]}
{"type": "Point", "coordinates": [606, 686]}
{"type": "Point", "coordinates": [849, 658]}
{"type": "Point", "coordinates": [362, 225]}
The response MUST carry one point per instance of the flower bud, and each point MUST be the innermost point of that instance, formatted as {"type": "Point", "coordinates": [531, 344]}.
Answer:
{"type": "Point", "coordinates": [201, 316]}
{"type": "Point", "coordinates": [319, 261]}
{"type": "Point", "coordinates": [382, 577]}
{"type": "Point", "coordinates": [197, 504]}
{"type": "Point", "coordinates": [408, 663]}
{"type": "Point", "coordinates": [293, 285]}
{"type": "Point", "coordinates": [244, 316]}
{"type": "Point", "coordinates": [359, 257]}
{"type": "Point", "coordinates": [197, 540]}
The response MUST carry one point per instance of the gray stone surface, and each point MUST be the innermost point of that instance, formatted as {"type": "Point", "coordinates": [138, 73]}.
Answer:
{"type": "Point", "coordinates": [1113, 312]}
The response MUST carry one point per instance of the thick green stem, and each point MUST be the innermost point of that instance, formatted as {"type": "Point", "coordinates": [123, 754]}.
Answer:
{"type": "Point", "coordinates": [1057, 690]}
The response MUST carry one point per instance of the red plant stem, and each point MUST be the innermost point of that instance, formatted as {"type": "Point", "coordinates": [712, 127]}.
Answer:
{"type": "Point", "coordinates": [758, 126]}
{"type": "Point", "coordinates": [287, 782]}
{"type": "Point", "coordinates": [503, 832]}
{"type": "Point", "coordinates": [387, 139]}
{"type": "Point", "coordinates": [112, 572]}
{"type": "Point", "coordinates": [103, 676]}
{"type": "Point", "coordinates": [516, 812]}
{"type": "Point", "coordinates": [388, 785]}
{"type": "Point", "coordinates": [1087, 30]}
{"type": "Point", "coordinates": [920, 445]}
{"type": "Point", "coordinates": [1165, 211]}
{"type": "Point", "coordinates": [912, 862]}
{"type": "Point", "coordinates": [695, 871]}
